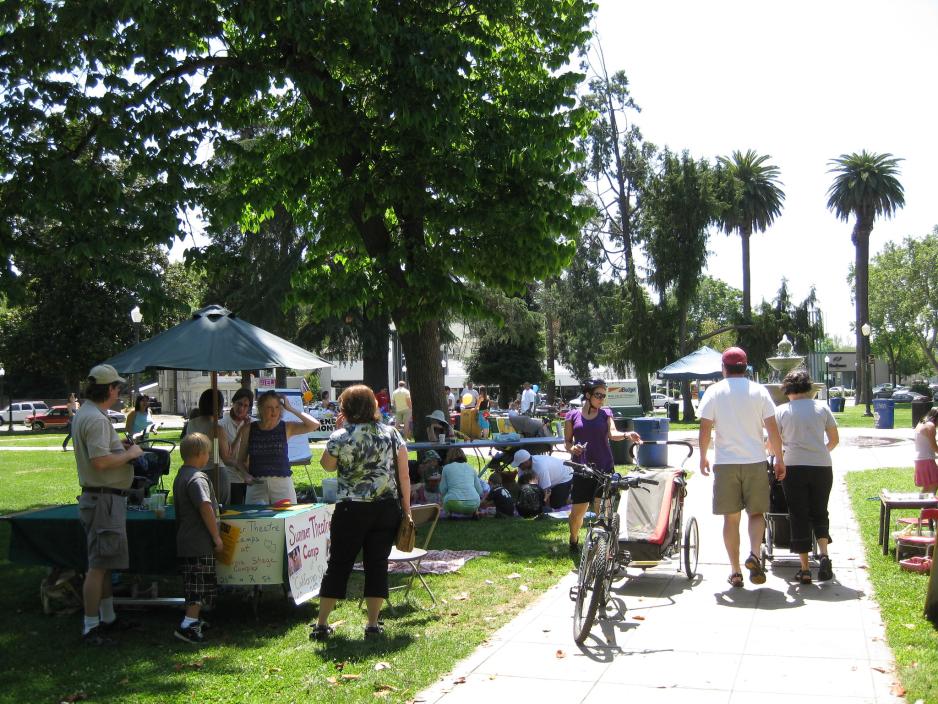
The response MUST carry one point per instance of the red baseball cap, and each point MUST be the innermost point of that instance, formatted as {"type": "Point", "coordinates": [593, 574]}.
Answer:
{"type": "Point", "coordinates": [734, 356]}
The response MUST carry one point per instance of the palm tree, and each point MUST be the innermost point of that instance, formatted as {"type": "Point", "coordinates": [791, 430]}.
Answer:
{"type": "Point", "coordinates": [756, 202]}
{"type": "Point", "coordinates": [865, 186]}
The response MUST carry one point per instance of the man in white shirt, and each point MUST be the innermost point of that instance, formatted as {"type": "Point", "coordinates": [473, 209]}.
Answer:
{"type": "Point", "coordinates": [528, 400]}
{"type": "Point", "coordinates": [553, 476]}
{"type": "Point", "coordinates": [450, 399]}
{"type": "Point", "coordinates": [471, 392]}
{"type": "Point", "coordinates": [739, 409]}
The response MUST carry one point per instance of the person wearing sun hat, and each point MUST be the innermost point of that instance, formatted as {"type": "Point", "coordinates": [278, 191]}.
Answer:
{"type": "Point", "coordinates": [437, 425]}
{"type": "Point", "coordinates": [105, 474]}
{"type": "Point", "coordinates": [739, 409]}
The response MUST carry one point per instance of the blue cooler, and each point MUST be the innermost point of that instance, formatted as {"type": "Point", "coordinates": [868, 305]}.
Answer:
{"type": "Point", "coordinates": [883, 412]}
{"type": "Point", "coordinates": [652, 429]}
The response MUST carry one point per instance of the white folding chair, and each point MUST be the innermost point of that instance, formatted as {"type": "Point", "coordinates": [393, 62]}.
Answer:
{"type": "Point", "coordinates": [423, 515]}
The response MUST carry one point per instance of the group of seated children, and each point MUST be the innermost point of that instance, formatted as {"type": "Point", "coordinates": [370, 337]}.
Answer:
{"type": "Point", "coordinates": [544, 484]}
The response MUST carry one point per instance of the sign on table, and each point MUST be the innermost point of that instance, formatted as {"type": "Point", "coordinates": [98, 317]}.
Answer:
{"type": "Point", "coordinates": [308, 539]}
{"type": "Point", "coordinates": [256, 556]}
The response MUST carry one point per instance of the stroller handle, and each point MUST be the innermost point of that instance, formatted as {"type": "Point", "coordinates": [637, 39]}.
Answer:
{"type": "Point", "coordinates": [683, 443]}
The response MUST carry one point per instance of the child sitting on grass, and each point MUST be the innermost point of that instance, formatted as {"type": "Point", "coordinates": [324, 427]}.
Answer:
{"type": "Point", "coordinates": [197, 535]}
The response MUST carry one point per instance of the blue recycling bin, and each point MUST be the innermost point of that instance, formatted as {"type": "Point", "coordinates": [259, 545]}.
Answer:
{"type": "Point", "coordinates": [883, 413]}
{"type": "Point", "coordinates": [837, 404]}
{"type": "Point", "coordinates": [652, 429]}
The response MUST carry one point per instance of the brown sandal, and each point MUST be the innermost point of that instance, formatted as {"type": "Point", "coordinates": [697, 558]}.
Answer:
{"type": "Point", "coordinates": [735, 580]}
{"type": "Point", "coordinates": [756, 573]}
{"type": "Point", "coordinates": [803, 576]}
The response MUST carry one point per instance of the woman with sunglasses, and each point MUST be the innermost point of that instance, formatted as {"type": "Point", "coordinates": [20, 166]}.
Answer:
{"type": "Point", "coordinates": [586, 435]}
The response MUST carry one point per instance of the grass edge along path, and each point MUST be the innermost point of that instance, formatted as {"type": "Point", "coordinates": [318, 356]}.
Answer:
{"type": "Point", "coordinates": [270, 659]}
{"type": "Point", "coordinates": [900, 595]}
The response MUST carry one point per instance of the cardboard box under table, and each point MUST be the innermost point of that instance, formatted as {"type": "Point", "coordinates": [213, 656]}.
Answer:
{"type": "Point", "coordinates": [262, 546]}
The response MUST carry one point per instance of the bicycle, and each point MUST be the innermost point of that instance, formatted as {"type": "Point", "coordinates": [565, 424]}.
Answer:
{"type": "Point", "coordinates": [601, 556]}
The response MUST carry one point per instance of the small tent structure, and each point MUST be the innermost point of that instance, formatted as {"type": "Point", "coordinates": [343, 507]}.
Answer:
{"type": "Point", "coordinates": [705, 363]}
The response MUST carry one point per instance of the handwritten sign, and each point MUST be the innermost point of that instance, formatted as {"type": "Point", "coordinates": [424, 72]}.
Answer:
{"type": "Point", "coordinates": [257, 557]}
{"type": "Point", "coordinates": [307, 540]}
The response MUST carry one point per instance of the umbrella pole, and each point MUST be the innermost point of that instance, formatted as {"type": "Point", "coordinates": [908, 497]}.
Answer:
{"type": "Point", "coordinates": [215, 413]}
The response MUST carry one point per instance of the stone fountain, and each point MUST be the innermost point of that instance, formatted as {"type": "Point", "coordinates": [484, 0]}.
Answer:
{"type": "Point", "coordinates": [783, 362]}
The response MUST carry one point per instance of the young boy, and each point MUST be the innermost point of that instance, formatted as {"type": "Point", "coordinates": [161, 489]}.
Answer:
{"type": "Point", "coordinates": [197, 535]}
{"type": "Point", "coordinates": [530, 502]}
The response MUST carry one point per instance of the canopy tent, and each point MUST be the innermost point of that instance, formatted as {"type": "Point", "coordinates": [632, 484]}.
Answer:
{"type": "Point", "coordinates": [705, 363]}
{"type": "Point", "coordinates": [215, 340]}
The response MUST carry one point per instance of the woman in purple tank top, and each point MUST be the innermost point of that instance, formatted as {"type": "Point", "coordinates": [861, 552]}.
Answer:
{"type": "Point", "coordinates": [586, 436]}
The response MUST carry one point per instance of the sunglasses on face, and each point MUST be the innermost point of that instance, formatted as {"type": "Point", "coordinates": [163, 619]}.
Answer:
{"type": "Point", "coordinates": [598, 395]}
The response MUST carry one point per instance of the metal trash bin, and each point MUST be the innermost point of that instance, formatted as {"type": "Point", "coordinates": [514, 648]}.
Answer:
{"type": "Point", "coordinates": [622, 450]}
{"type": "Point", "coordinates": [674, 411]}
{"type": "Point", "coordinates": [919, 410]}
{"type": "Point", "coordinates": [884, 410]}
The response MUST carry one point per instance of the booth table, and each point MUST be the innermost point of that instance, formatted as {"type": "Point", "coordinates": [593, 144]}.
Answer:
{"type": "Point", "coordinates": [889, 500]}
{"type": "Point", "coordinates": [262, 546]}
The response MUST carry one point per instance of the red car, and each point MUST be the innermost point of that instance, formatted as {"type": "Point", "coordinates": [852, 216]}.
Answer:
{"type": "Point", "coordinates": [55, 417]}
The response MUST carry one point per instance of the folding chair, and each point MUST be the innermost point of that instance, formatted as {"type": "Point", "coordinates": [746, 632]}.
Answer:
{"type": "Point", "coordinates": [424, 514]}
{"type": "Point", "coordinates": [906, 544]}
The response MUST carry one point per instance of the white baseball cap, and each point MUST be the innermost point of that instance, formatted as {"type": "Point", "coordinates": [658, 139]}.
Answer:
{"type": "Point", "coordinates": [521, 456]}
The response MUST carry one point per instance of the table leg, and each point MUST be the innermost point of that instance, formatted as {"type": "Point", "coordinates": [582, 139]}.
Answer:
{"type": "Point", "coordinates": [886, 525]}
{"type": "Point", "coordinates": [882, 519]}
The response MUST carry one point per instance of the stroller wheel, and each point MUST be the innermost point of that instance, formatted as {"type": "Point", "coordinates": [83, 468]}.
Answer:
{"type": "Point", "coordinates": [691, 547]}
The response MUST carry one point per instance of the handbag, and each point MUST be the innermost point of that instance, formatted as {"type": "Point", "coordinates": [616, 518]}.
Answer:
{"type": "Point", "coordinates": [406, 537]}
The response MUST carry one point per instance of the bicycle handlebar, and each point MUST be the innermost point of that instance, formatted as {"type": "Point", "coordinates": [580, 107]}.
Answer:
{"type": "Point", "coordinates": [628, 481]}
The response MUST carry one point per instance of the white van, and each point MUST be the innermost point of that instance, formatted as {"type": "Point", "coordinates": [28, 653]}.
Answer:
{"type": "Point", "coordinates": [22, 410]}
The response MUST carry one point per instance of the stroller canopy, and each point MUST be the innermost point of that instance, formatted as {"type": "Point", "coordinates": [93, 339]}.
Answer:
{"type": "Point", "coordinates": [705, 363]}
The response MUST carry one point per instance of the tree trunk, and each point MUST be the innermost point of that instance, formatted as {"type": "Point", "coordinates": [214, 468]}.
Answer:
{"type": "Point", "coordinates": [644, 391]}
{"type": "Point", "coordinates": [862, 277]}
{"type": "Point", "coordinates": [744, 234]}
{"type": "Point", "coordinates": [246, 379]}
{"type": "Point", "coordinates": [551, 358]}
{"type": "Point", "coordinates": [424, 371]}
{"type": "Point", "coordinates": [281, 373]}
{"type": "Point", "coordinates": [689, 414]}
{"type": "Point", "coordinates": [375, 343]}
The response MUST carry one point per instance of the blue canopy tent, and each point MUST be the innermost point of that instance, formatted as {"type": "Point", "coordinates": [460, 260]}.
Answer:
{"type": "Point", "coordinates": [705, 363]}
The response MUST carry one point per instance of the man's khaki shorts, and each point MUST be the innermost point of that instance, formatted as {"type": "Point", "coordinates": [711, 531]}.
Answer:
{"type": "Point", "coordinates": [104, 518]}
{"type": "Point", "coordinates": [740, 486]}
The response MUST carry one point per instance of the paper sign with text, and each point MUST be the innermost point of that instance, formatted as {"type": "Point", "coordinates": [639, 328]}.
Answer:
{"type": "Point", "coordinates": [308, 539]}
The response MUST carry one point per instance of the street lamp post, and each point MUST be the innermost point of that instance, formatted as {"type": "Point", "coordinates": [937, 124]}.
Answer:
{"type": "Point", "coordinates": [865, 329]}
{"type": "Point", "coordinates": [3, 375]}
{"type": "Point", "coordinates": [136, 318]}
{"type": "Point", "coordinates": [827, 372]}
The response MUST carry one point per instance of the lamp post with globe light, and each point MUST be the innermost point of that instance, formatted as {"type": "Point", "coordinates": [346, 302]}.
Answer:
{"type": "Point", "coordinates": [136, 318]}
{"type": "Point", "coordinates": [827, 373]}
{"type": "Point", "coordinates": [3, 376]}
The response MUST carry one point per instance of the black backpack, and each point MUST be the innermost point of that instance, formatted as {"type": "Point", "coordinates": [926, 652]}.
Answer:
{"type": "Point", "coordinates": [501, 499]}
{"type": "Point", "coordinates": [530, 500]}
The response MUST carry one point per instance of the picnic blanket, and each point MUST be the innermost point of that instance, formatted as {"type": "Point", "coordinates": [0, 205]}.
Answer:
{"type": "Point", "coordinates": [435, 562]}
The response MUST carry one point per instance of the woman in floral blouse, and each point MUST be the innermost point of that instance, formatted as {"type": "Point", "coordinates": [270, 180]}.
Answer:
{"type": "Point", "coordinates": [366, 454]}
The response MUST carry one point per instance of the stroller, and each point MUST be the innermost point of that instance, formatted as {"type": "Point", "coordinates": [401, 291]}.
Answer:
{"type": "Point", "coordinates": [149, 469]}
{"type": "Point", "coordinates": [651, 520]}
{"type": "Point", "coordinates": [778, 524]}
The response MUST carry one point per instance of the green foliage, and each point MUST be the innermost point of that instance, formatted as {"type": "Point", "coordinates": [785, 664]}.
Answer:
{"type": "Point", "coordinates": [904, 318]}
{"type": "Point", "coordinates": [646, 337]}
{"type": "Point", "coordinates": [715, 307]}
{"type": "Point", "coordinates": [865, 186]}
{"type": "Point", "coordinates": [802, 323]}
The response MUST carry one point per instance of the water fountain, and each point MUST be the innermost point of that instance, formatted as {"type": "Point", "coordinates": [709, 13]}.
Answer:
{"type": "Point", "coordinates": [783, 362]}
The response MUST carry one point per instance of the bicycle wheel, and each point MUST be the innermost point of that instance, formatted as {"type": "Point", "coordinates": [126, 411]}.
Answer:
{"type": "Point", "coordinates": [591, 588]}
{"type": "Point", "coordinates": [691, 547]}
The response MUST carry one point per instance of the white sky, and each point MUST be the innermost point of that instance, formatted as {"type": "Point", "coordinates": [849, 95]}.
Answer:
{"type": "Point", "coordinates": [803, 82]}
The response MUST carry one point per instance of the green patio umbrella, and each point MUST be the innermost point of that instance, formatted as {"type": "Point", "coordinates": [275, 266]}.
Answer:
{"type": "Point", "coordinates": [215, 340]}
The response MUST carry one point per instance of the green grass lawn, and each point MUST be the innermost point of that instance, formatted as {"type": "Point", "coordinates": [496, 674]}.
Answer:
{"type": "Point", "coordinates": [901, 595]}
{"type": "Point", "coordinates": [270, 658]}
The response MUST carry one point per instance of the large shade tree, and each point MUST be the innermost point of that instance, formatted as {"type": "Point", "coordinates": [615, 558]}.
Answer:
{"type": "Point", "coordinates": [754, 203]}
{"type": "Point", "coordinates": [865, 187]}
{"type": "Point", "coordinates": [415, 142]}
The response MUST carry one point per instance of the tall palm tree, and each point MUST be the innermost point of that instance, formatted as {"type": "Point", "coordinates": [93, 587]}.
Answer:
{"type": "Point", "coordinates": [866, 186]}
{"type": "Point", "coordinates": [756, 202]}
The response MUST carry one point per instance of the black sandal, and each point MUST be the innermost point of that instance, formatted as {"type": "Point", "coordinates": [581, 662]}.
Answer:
{"type": "Point", "coordinates": [321, 632]}
{"type": "Point", "coordinates": [373, 631]}
{"type": "Point", "coordinates": [735, 580]}
{"type": "Point", "coordinates": [803, 576]}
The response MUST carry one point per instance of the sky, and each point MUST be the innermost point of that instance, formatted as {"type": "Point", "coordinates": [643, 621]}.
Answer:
{"type": "Point", "coordinates": [803, 82]}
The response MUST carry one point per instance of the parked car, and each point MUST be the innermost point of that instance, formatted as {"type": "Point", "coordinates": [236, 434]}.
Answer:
{"type": "Point", "coordinates": [908, 396]}
{"type": "Point", "coordinates": [56, 417]}
{"type": "Point", "coordinates": [883, 391]}
{"type": "Point", "coordinates": [659, 400]}
{"type": "Point", "coordinates": [115, 416]}
{"type": "Point", "coordinates": [21, 410]}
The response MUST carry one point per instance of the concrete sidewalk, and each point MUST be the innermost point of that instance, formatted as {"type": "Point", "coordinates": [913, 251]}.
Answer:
{"type": "Point", "coordinates": [669, 639]}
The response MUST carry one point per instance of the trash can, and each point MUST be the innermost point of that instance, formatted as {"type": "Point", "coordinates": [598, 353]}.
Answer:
{"type": "Point", "coordinates": [837, 404]}
{"type": "Point", "coordinates": [674, 411]}
{"type": "Point", "coordinates": [652, 429]}
{"type": "Point", "coordinates": [622, 450]}
{"type": "Point", "coordinates": [883, 413]}
{"type": "Point", "coordinates": [919, 409]}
